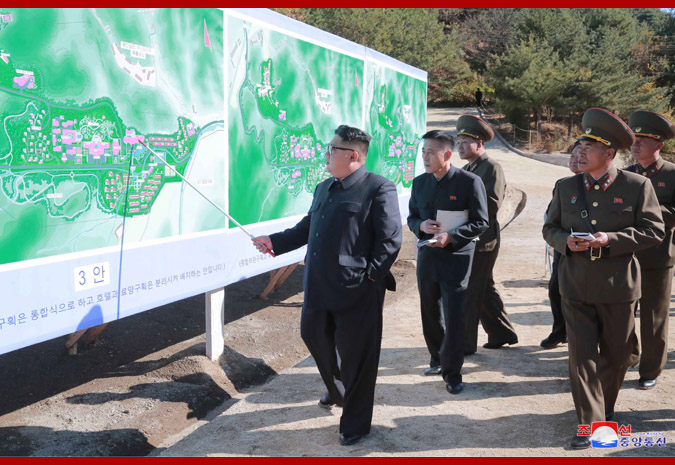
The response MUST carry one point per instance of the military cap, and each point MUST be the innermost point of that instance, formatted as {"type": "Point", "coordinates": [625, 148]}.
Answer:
{"type": "Point", "coordinates": [472, 126]}
{"type": "Point", "coordinates": [605, 127]}
{"type": "Point", "coordinates": [650, 124]}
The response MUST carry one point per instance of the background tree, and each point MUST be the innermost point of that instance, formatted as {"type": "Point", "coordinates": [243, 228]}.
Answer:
{"type": "Point", "coordinates": [531, 62]}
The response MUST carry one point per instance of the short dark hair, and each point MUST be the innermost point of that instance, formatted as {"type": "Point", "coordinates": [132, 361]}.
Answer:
{"type": "Point", "coordinates": [350, 134]}
{"type": "Point", "coordinates": [443, 137]}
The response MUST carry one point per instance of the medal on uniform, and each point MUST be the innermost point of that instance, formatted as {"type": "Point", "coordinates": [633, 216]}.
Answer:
{"type": "Point", "coordinates": [573, 199]}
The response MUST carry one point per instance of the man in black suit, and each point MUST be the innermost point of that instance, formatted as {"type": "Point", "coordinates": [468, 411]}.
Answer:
{"type": "Point", "coordinates": [443, 267]}
{"type": "Point", "coordinates": [353, 235]}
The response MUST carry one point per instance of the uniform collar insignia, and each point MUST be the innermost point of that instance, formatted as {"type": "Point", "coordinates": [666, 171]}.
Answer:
{"type": "Point", "coordinates": [608, 182]}
{"type": "Point", "coordinates": [587, 183]}
{"type": "Point", "coordinates": [653, 169]}
{"type": "Point", "coordinates": [649, 171]}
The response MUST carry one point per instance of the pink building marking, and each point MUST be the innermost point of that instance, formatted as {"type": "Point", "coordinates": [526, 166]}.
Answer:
{"type": "Point", "coordinates": [96, 148]}
{"type": "Point", "coordinates": [68, 137]}
{"type": "Point", "coordinates": [132, 138]}
{"type": "Point", "coordinates": [23, 82]}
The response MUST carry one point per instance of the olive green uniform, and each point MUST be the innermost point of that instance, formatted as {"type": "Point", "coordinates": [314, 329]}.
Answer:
{"type": "Point", "coordinates": [599, 295]}
{"type": "Point", "coordinates": [483, 302]}
{"type": "Point", "coordinates": [656, 266]}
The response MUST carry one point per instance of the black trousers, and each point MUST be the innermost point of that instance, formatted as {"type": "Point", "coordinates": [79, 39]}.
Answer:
{"type": "Point", "coordinates": [346, 345]}
{"type": "Point", "coordinates": [484, 304]}
{"type": "Point", "coordinates": [558, 332]}
{"type": "Point", "coordinates": [446, 345]}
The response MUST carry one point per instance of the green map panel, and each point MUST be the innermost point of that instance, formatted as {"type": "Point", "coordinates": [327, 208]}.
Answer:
{"type": "Point", "coordinates": [79, 90]}
{"type": "Point", "coordinates": [396, 120]}
{"type": "Point", "coordinates": [286, 97]}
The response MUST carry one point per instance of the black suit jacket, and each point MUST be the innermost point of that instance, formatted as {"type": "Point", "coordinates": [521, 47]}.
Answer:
{"type": "Point", "coordinates": [353, 231]}
{"type": "Point", "coordinates": [458, 190]}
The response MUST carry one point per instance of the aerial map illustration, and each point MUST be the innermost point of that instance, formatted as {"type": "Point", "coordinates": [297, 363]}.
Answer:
{"type": "Point", "coordinates": [80, 89]}
{"type": "Point", "coordinates": [120, 129]}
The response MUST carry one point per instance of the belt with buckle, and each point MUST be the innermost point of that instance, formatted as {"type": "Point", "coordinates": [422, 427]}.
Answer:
{"type": "Point", "coordinates": [597, 253]}
{"type": "Point", "coordinates": [595, 256]}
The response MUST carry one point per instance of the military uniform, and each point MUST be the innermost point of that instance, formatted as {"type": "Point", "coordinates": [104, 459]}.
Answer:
{"type": "Point", "coordinates": [483, 302]}
{"type": "Point", "coordinates": [600, 287]}
{"type": "Point", "coordinates": [656, 263]}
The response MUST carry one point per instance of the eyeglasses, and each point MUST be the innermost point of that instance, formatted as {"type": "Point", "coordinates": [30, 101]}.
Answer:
{"type": "Point", "coordinates": [330, 148]}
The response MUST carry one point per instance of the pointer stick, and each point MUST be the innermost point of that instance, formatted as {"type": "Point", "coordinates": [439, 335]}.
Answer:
{"type": "Point", "coordinates": [204, 196]}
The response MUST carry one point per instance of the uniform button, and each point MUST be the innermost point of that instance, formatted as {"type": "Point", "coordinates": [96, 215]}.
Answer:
{"type": "Point", "coordinates": [597, 187]}
{"type": "Point", "coordinates": [313, 254]}
{"type": "Point", "coordinates": [595, 204]}
{"type": "Point", "coordinates": [644, 173]}
{"type": "Point", "coordinates": [331, 200]}
{"type": "Point", "coordinates": [316, 235]}
{"type": "Point", "coordinates": [594, 222]}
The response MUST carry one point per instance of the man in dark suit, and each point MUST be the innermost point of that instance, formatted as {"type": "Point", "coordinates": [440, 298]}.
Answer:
{"type": "Point", "coordinates": [353, 235]}
{"type": "Point", "coordinates": [443, 267]}
{"type": "Point", "coordinates": [483, 302]}
{"type": "Point", "coordinates": [656, 263]}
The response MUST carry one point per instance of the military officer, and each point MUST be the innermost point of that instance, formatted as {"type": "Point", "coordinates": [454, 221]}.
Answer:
{"type": "Point", "coordinates": [483, 302]}
{"type": "Point", "coordinates": [558, 332]}
{"type": "Point", "coordinates": [599, 276]}
{"type": "Point", "coordinates": [443, 267]}
{"type": "Point", "coordinates": [656, 263]}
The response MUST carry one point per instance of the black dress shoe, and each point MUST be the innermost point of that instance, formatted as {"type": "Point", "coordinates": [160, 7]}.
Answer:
{"type": "Point", "coordinates": [646, 383]}
{"type": "Point", "coordinates": [431, 371]}
{"type": "Point", "coordinates": [347, 439]}
{"type": "Point", "coordinates": [327, 402]}
{"type": "Point", "coordinates": [551, 342]}
{"type": "Point", "coordinates": [456, 389]}
{"type": "Point", "coordinates": [609, 416]}
{"type": "Point", "coordinates": [581, 442]}
{"type": "Point", "coordinates": [498, 345]}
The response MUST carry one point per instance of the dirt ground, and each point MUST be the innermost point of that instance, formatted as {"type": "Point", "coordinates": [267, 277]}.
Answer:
{"type": "Point", "coordinates": [146, 387]}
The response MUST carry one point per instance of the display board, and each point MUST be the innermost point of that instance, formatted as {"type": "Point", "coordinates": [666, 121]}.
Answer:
{"type": "Point", "coordinates": [94, 226]}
